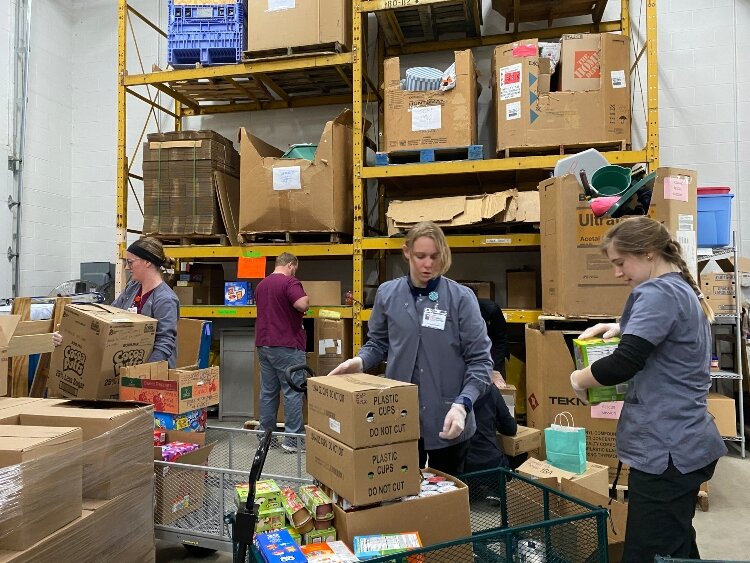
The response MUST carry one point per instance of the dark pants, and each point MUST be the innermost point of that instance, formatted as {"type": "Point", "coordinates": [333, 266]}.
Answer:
{"type": "Point", "coordinates": [449, 460]}
{"type": "Point", "coordinates": [660, 513]}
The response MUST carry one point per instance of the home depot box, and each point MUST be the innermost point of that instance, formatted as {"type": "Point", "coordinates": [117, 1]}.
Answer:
{"type": "Point", "coordinates": [367, 475]}
{"type": "Point", "coordinates": [322, 292]}
{"type": "Point", "coordinates": [430, 119]}
{"type": "Point", "coordinates": [525, 440]}
{"type": "Point", "coordinates": [722, 409]}
{"type": "Point", "coordinates": [507, 206]}
{"type": "Point", "coordinates": [333, 343]}
{"type": "Point", "coordinates": [595, 478]}
{"type": "Point", "coordinates": [8, 324]}
{"type": "Point", "coordinates": [362, 410]}
{"type": "Point", "coordinates": [422, 514]}
{"type": "Point", "coordinates": [117, 441]}
{"type": "Point", "coordinates": [296, 194]}
{"type": "Point", "coordinates": [577, 279]}
{"type": "Point", "coordinates": [589, 61]}
{"type": "Point", "coordinates": [283, 24]}
{"type": "Point", "coordinates": [97, 341]}
{"type": "Point", "coordinates": [180, 491]}
{"type": "Point", "coordinates": [549, 363]}
{"type": "Point", "coordinates": [40, 471]}
{"type": "Point", "coordinates": [527, 114]}
{"type": "Point", "coordinates": [173, 391]}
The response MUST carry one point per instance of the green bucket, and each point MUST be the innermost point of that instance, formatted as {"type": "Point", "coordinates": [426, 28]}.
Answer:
{"type": "Point", "coordinates": [305, 151]}
{"type": "Point", "coordinates": [611, 180]}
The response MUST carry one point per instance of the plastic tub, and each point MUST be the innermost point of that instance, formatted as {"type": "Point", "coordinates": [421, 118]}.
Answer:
{"type": "Point", "coordinates": [611, 180]}
{"type": "Point", "coordinates": [302, 150]}
{"type": "Point", "coordinates": [714, 190]}
{"type": "Point", "coordinates": [714, 214]}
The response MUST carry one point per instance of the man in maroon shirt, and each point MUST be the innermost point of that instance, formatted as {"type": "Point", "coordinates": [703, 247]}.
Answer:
{"type": "Point", "coordinates": [280, 343]}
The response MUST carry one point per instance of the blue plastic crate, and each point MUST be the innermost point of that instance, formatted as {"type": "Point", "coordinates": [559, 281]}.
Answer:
{"type": "Point", "coordinates": [714, 214]}
{"type": "Point", "coordinates": [209, 34]}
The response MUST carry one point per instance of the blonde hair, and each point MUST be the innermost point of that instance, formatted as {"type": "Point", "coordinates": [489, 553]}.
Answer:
{"type": "Point", "coordinates": [431, 230]}
{"type": "Point", "coordinates": [641, 235]}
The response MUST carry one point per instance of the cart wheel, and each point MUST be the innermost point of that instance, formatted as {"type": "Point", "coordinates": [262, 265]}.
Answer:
{"type": "Point", "coordinates": [198, 551]}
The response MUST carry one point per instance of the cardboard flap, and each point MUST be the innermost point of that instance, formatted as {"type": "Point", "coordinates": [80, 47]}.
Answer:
{"type": "Point", "coordinates": [8, 324]}
{"type": "Point", "coordinates": [346, 118]}
{"type": "Point", "coordinates": [494, 204]}
{"type": "Point", "coordinates": [434, 209]}
{"type": "Point", "coordinates": [261, 148]}
{"type": "Point", "coordinates": [392, 73]}
{"type": "Point", "coordinates": [618, 512]}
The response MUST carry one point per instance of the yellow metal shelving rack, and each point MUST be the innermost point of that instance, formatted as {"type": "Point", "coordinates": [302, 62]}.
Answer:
{"type": "Point", "coordinates": [258, 86]}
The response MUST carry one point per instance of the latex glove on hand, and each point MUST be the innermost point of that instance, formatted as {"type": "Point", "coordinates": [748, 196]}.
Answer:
{"type": "Point", "coordinates": [454, 423]}
{"type": "Point", "coordinates": [57, 338]}
{"type": "Point", "coordinates": [580, 392]}
{"type": "Point", "coordinates": [605, 330]}
{"type": "Point", "coordinates": [352, 365]}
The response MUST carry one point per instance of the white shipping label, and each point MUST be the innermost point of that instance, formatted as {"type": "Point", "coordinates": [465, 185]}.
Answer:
{"type": "Point", "coordinates": [513, 111]}
{"type": "Point", "coordinates": [510, 81]}
{"type": "Point", "coordinates": [618, 79]}
{"type": "Point", "coordinates": [427, 118]}
{"type": "Point", "coordinates": [287, 178]}
{"type": "Point", "coordinates": [334, 425]}
{"type": "Point", "coordinates": [276, 5]}
{"type": "Point", "coordinates": [689, 244]}
{"type": "Point", "coordinates": [685, 222]}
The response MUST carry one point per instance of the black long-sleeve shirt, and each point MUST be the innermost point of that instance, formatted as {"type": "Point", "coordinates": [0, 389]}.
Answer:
{"type": "Point", "coordinates": [497, 330]}
{"type": "Point", "coordinates": [492, 415]}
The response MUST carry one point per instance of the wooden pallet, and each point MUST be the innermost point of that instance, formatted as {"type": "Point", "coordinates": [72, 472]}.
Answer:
{"type": "Point", "coordinates": [544, 10]}
{"type": "Point", "coordinates": [31, 337]}
{"type": "Point", "coordinates": [552, 322]}
{"type": "Point", "coordinates": [439, 154]}
{"type": "Point", "coordinates": [561, 150]}
{"type": "Point", "coordinates": [191, 240]}
{"type": "Point", "coordinates": [430, 22]}
{"type": "Point", "coordinates": [293, 52]}
{"type": "Point", "coordinates": [293, 237]}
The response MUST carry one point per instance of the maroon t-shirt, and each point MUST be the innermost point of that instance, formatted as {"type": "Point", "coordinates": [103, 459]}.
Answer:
{"type": "Point", "coordinates": [278, 322]}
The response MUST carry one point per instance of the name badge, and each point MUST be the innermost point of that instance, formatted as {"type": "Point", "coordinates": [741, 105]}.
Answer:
{"type": "Point", "coordinates": [434, 318]}
{"type": "Point", "coordinates": [133, 310]}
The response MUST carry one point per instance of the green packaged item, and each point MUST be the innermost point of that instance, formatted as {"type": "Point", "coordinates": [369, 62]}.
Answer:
{"type": "Point", "coordinates": [267, 494]}
{"type": "Point", "coordinates": [271, 519]}
{"type": "Point", "coordinates": [319, 536]}
{"type": "Point", "coordinates": [296, 536]}
{"type": "Point", "coordinates": [586, 353]}
{"type": "Point", "coordinates": [317, 502]}
{"type": "Point", "coordinates": [305, 151]}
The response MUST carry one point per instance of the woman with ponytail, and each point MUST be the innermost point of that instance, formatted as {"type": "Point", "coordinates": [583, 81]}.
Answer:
{"type": "Point", "coordinates": [147, 294]}
{"type": "Point", "coordinates": [665, 433]}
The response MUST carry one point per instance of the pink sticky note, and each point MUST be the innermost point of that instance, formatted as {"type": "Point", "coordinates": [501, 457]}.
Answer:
{"type": "Point", "coordinates": [609, 409]}
{"type": "Point", "coordinates": [526, 50]}
{"type": "Point", "coordinates": [676, 187]}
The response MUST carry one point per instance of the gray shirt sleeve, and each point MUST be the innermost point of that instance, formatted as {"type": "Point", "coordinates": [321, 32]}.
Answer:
{"type": "Point", "coordinates": [653, 314]}
{"type": "Point", "coordinates": [375, 350]}
{"type": "Point", "coordinates": [165, 308]}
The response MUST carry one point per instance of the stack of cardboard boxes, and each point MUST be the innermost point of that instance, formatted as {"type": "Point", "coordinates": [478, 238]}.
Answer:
{"type": "Point", "coordinates": [72, 472]}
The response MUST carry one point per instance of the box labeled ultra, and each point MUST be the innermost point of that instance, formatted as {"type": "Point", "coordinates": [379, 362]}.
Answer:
{"type": "Point", "coordinates": [362, 410]}
{"type": "Point", "coordinates": [367, 475]}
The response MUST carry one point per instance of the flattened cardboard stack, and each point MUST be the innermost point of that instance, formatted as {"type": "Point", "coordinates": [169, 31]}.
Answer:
{"type": "Point", "coordinates": [76, 481]}
{"type": "Point", "coordinates": [180, 184]}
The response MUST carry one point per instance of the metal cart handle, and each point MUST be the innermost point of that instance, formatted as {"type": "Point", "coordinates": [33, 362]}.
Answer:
{"type": "Point", "coordinates": [301, 388]}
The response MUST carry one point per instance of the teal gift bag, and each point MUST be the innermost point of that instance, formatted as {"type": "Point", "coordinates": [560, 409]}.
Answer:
{"type": "Point", "coordinates": [566, 444]}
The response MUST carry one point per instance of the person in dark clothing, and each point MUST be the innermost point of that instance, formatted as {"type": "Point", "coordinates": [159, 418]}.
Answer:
{"type": "Point", "coordinates": [491, 412]}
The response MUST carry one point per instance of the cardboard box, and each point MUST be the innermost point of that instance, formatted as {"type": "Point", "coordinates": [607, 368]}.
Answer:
{"type": "Point", "coordinates": [279, 195]}
{"type": "Point", "coordinates": [280, 24]}
{"type": "Point", "coordinates": [117, 441]}
{"type": "Point", "coordinates": [482, 289]}
{"type": "Point", "coordinates": [8, 324]}
{"type": "Point", "coordinates": [41, 474]}
{"type": "Point", "coordinates": [97, 341]}
{"type": "Point", "coordinates": [723, 410]}
{"type": "Point", "coordinates": [210, 276]}
{"type": "Point", "coordinates": [180, 491]}
{"type": "Point", "coordinates": [365, 475]}
{"type": "Point", "coordinates": [718, 285]}
{"type": "Point", "coordinates": [574, 270]}
{"type": "Point", "coordinates": [415, 514]}
{"type": "Point", "coordinates": [362, 410]}
{"type": "Point", "coordinates": [527, 114]}
{"type": "Point", "coordinates": [549, 363]}
{"type": "Point", "coordinates": [333, 343]}
{"type": "Point", "coordinates": [192, 294]}
{"type": "Point", "coordinates": [193, 342]}
{"type": "Point", "coordinates": [430, 119]}
{"type": "Point", "coordinates": [595, 478]}
{"type": "Point", "coordinates": [522, 289]}
{"type": "Point", "coordinates": [508, 206]}
{"type": "Point", "coordinates": [525, 440]}
{"type": "Point", "coordinates": [586, 61]}
{"type": "Point", "coordinates": [322, 292]}
{"type": "Point", "coordinates": [173, 391]}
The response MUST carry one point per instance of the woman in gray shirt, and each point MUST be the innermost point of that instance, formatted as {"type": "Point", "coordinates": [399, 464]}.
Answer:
{"type": "Point", "coordinates": [665, 433]}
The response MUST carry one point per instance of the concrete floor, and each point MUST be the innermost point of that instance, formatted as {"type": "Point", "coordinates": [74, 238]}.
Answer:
{"type": "Point", "coordinates": [723, 532]}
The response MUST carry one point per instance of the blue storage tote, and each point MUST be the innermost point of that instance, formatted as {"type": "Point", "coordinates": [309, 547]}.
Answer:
{"type": "Point", "coordinates": [714, 215]}
{"type": "Point", "coordinates": [209, 34]}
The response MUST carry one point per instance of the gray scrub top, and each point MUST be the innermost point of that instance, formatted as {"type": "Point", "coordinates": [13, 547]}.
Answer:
{"type": "Point", "coordinates": [665, 411]}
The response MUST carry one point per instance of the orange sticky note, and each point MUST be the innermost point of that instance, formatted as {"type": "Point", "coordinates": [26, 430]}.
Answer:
{"type": "Point", "coordinates": [254, 267]}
